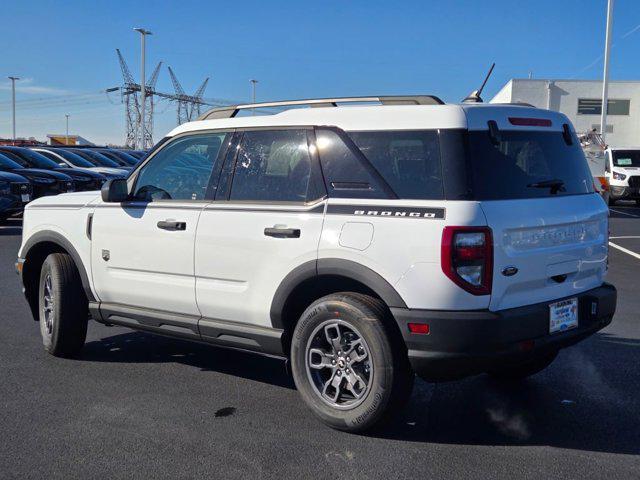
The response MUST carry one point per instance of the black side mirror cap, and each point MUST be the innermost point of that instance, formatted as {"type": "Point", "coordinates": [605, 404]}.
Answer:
{"type": "Point", "coordinates": [115, 191]}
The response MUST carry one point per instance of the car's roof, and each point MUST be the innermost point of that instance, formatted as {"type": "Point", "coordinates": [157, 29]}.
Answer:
{"type": "Point", "coordinates": [386, 117]}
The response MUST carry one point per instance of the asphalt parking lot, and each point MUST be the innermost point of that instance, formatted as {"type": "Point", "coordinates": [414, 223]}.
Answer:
{"type": "Point", "coordinates": [138, 406]}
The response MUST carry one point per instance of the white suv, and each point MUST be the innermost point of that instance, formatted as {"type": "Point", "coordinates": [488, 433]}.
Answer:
{"type": "Point", "coordinates": [361, 242]}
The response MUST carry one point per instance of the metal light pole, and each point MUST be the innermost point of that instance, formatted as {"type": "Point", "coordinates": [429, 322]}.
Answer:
{"type": "Point", "coordinates": [253, 95]}
{"type": "Point", "coordinates": [13, 103]}
{"type": "Point", "coordinates": [67, 135]}
{"type": "Point", "coordinates": [143, 35]}
{"type": "Point", "coordinates": [605, 81]}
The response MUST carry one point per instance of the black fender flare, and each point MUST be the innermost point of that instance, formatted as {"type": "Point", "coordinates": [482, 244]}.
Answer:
{"type": "Point", "coordinates": [49, 236]}
{"type": "Point", "coordinates": [332, 266]}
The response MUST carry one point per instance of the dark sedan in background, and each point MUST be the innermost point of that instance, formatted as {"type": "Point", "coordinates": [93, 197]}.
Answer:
{"type": "Point", "coordinates": [15, 192]}
{"type": "Point", "coordinates": [83, 179]}
{"type": "Point", "coordinates": [44, 182]}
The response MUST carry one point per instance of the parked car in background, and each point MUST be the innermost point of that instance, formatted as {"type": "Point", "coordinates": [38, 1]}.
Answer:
{"type": "Point", "coordinates": [84, 180]}
{"type": "Point", "coordinates": [98, 159]}
{"type": "Point", "coordinates": [117, 156]}
{"type": "Point", "coordinates": [622, 171]}
{"type": "Point", "coordinates": [44, 182]}
{"type": "Point", "coordinates": [15, 192]}
{"type": "Point", "coordinates": [70, 159]}
{"type": "Point", "coordinates": [139, 154]}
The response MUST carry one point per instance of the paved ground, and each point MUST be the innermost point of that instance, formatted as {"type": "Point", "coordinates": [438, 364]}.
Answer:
{"type": "Point", "coordinates": [137, 406]}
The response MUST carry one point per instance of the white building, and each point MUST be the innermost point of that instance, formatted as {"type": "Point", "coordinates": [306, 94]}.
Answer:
{"type": "Point", "coordinates": [581, 100]}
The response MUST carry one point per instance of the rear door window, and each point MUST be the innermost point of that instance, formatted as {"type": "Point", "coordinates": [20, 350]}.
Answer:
{"type": "Point", "coordinates": [273, 165]}
{"type": "Point", "coordinates": [526, 164]}
{"type": "Point", "coordinates": [409, 161]}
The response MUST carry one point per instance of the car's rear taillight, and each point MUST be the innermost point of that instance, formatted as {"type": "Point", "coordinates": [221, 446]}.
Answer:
{"type": "Point", "coordinates": [467, 258]}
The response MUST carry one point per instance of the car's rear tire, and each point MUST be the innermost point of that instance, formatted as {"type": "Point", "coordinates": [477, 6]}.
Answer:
{"type": "Point", "coordinates": [525, 369]}
{"type": "Point", "coordinates": [348, 363]}
{"type": "Point", "coordinates": [63, 307]}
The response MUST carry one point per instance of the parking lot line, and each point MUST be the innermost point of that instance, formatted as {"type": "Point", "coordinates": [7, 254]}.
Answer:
{"type": "Point", "coordinates": [625, 250]}
{"type": "Point", "coordinates": [625, 213]}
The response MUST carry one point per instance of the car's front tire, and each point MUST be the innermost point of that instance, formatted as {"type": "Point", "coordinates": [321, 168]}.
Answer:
{"type": "Point", "coordinates": [348, 364]}
{"type": "Point", "coordinates": [63, 307]}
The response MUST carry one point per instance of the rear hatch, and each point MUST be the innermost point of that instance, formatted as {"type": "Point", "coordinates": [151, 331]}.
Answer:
{"type": "Point", "coordinates": [535, 188]}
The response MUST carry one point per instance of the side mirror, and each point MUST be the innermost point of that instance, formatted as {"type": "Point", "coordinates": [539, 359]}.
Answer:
{"type": "Point", "coordinates": [62, 164]}
{"type": "Point", "coordinates": [115, 191]}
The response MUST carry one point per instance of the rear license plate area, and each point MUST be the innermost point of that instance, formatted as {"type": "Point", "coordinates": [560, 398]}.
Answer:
{"type": "Point", "coordinates": [563, 315]}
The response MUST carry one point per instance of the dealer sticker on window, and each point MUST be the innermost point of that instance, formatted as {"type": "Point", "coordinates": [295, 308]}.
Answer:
{"type": "Point", "coordinates": [563, 315]}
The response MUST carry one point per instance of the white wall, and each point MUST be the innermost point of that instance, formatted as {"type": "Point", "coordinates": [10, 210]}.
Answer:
{"type": "Point", "coordinates": [563, 96]}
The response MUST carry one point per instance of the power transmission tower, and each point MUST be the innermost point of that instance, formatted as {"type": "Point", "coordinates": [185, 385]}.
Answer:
{"type": "Point", "coordinates": [181, 99]}
{"type": "Point", "coordinates": [195, 106]}
{"type": "Point", "coordinates": [130, 91]}
{"type": "Point", "coordinates": [188, 105]}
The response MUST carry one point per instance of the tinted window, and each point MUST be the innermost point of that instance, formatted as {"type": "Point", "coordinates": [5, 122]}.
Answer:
{"type": "Point", "coordinates": [626, 158]}
{"type": "Point", "coordinates": [272, 165]}
{"type": "Point", "coordinates": [409, 161]}
{"type": "Point", "coordinates": [345, 174]}
{"type": "Point", "coordinates": [75, 160]}
{"type": "Point", "coordinates": [34, 160]}
{"type": "Point", "coordinates": [97, 159]}
{"type": "Point", "coordinates": [527, 165]}
{"type": "Point", "coordinates": [181, 170]}
{"type": "Point", "coordinates": [15, 158]}
{"type": "Point", "coordinates": [7, 163]}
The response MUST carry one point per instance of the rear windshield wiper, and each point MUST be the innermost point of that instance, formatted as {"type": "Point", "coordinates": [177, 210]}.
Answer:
{"type": "Point", "coordinates": [554, 184]}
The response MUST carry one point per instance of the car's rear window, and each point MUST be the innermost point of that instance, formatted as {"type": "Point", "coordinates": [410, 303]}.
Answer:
{"type": "Point", "coordinates": [626, 158]}
{"type": "Point", "coordinates": [526, 164]}
{"type": "Point", "coordinates": [409, 161]}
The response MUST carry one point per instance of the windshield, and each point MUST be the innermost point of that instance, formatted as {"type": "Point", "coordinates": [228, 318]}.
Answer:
{"type": "Point", "coordinates": [626, 158]}
{"type": "Point", "coordinates": [75, 160]}
{"type": "Point", "coordinates": [34, 159]}
{"type": "Point", "coordinates": [526, 164]}
{"type": "Point", "coordinates": [97, 159]}
{"type": "Point", "coordinates": [7, 164]}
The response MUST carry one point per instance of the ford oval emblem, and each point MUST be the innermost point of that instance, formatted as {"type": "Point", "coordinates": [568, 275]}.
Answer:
{"type": "Point", "coordinates": [509, 271]}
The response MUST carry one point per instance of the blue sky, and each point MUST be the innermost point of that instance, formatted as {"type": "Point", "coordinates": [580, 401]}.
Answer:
{"type": "Point", "coordinates": [65, 51]}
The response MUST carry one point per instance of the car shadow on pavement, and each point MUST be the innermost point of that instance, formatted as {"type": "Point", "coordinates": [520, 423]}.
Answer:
{"type": "Point", "coordinates": [587, 400]}
{"type": "Point", "coordinates": [142, 347]}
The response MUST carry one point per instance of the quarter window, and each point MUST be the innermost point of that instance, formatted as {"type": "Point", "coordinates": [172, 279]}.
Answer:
{"type": "Point", "coordinates": [272, 165]}
{"type": "Point", "coordinates": [181, 170]}
{"type": "Point", "coordinates": [409, 161]}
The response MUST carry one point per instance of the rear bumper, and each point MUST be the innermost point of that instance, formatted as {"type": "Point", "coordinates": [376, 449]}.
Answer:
{"type": "Point", "coordinates": [463, 343]}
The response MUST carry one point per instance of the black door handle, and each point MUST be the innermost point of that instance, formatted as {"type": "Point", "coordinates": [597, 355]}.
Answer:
{"type": "Point", "coordinates": [172, 225]}
{"type": "Point", "coordinates": [282, 232]}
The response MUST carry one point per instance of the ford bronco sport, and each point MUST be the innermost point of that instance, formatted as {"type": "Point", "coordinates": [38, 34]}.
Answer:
{"type": "Point", "coordinates": [365, 243]}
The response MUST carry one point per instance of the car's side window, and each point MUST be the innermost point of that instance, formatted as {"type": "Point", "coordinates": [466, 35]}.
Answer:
{"type": "Point", "coordinates": [181, 170]}
{"type": "Point", "coordinates": [272, 165]}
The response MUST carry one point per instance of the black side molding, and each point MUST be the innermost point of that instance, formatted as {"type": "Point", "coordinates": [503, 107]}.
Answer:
{"type": "Point", "coordinates": [54, 237]}
{"type": "Point", "coordinates": [331, 267]}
